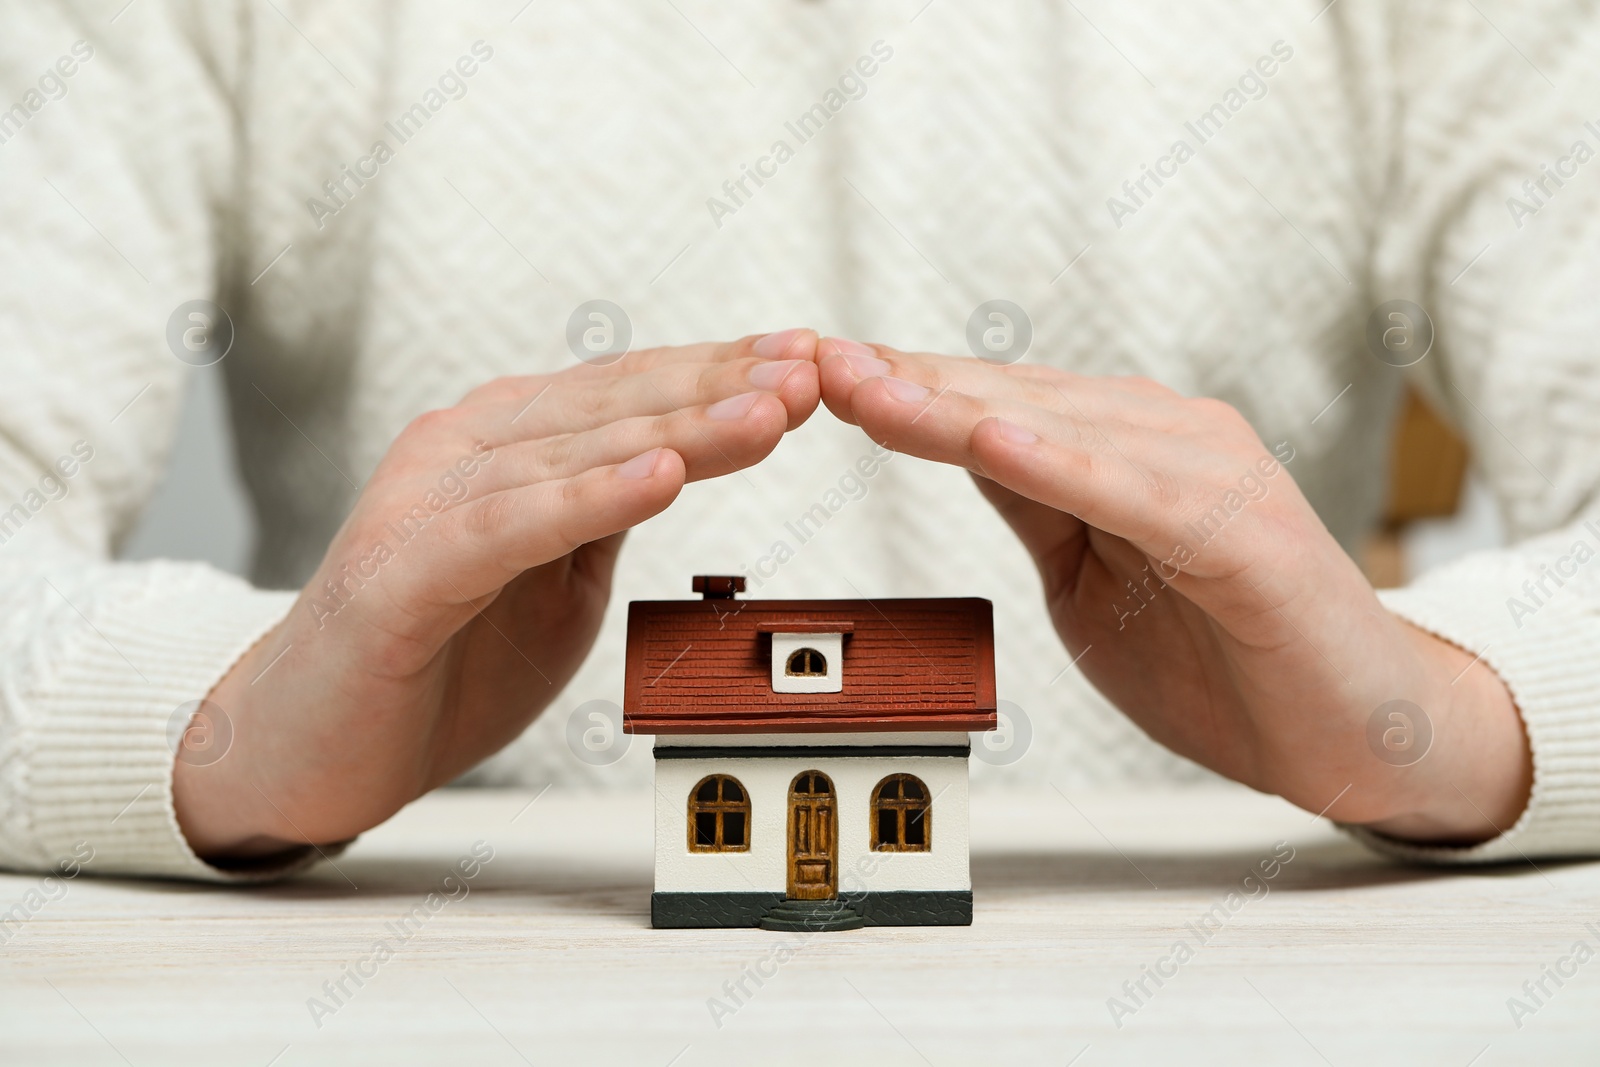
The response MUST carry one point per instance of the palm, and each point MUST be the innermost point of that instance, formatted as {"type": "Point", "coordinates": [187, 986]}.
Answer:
{"type": "Point", "coordinates": [1117, 620]}
{"type": "Point", "coordinates": [1126, 633]}
{"type": "Point", "coordinates": [510, 661]}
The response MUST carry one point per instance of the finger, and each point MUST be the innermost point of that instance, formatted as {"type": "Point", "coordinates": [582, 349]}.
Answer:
{"type": "Point", "coordinates": [932, 424]}
{"type": "Point", "coordinates": [843, 365]}
{"type": "Point", "coordinates": [794, 343]}
{"type": "Point", "coordinates": [713, 440]}
{"type": "Point", "coordinates": [1075, 466]}
{"type": "Point", "coordinates": [1102, 487]}
{"type": "Point", "coordinates": [473, 550]}
{"type": "Point", "coordinates": [515, 389]}
{"type": "Point", "coordinates": [444, 453]}
{"type": "Point", "coordinates": [571, 404]}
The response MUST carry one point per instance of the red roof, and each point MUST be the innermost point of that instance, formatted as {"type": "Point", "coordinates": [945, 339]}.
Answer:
{"type": "Point", "coordinates": [704, 666]}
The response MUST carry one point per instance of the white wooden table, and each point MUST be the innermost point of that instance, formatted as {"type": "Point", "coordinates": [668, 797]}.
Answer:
{"type": "Point", "coordinates": [549, 958]}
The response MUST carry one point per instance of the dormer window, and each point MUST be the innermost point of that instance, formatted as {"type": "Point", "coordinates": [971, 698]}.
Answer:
{"type": "Point", "coordinates": [807, 662]}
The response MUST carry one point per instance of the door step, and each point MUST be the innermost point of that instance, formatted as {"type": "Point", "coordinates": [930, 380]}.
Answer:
{"type": "Point", "coordinates": [812, 915]}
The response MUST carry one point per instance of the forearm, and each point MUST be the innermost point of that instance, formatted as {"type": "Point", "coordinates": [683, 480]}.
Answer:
{"type": "Point", "coordinates": [97, 664]}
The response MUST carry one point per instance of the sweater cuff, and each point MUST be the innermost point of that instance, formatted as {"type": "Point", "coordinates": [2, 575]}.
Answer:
{"type": "Point", "coordinates": [1547, 660]}
{"type": "Point", "coordinates": [99, 754]}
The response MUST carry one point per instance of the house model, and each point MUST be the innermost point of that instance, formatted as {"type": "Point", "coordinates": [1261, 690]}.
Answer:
{"type": "Point", "coordinates": [811, 755]}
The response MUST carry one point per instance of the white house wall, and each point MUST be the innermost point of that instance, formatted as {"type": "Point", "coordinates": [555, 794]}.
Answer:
{"type": "Point", "coordinates": [860, 738]}
{"type": "Point", "coordinates": [765, 865]}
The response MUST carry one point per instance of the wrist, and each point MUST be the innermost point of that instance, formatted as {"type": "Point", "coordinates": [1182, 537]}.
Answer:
{"type": "Point", "coordinates": [218, 804]}
{"type": "Point", "coordinates": [1474, 780]}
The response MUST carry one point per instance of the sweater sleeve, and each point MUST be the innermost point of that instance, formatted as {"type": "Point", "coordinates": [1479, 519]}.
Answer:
{"type": "Point", "coordinates": [1495, 232]}
{"type": "Point", "coordinates": [116, 157]}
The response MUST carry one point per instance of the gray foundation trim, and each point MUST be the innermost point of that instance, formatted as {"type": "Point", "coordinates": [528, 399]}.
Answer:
{"type": "Point", "coordinates": [913, 907]}
{"type": "Point", "coordinates": [670, 911]}
{"type": "Point", "coordinates": [805, 751]}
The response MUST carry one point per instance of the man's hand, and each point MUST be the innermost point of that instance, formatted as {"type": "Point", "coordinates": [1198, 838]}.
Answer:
{"type": "Point", "coordinates": [1206, 598]}
{"type": "Point", "coordinates": [469, 582]}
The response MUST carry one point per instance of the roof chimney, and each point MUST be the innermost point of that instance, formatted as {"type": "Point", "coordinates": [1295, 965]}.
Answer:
{"type": "Point", "coordinates": [718, 586]}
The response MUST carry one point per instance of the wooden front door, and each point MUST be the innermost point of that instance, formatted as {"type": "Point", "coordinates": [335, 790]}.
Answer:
{"type": "Point", "coordinates": [813, 838]}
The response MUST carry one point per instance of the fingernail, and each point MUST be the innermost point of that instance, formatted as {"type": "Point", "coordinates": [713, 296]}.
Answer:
{"type": "Point", "coordinates": [735, 407]}
{"type": "Point", "coordinates": [845, 347]}
{"type": "Point", "coordinates": [770, 376]}
{"type": "Point", "coordinates": [642, 466]}
{"type": "Point", "coordinates": [774, 345]}
{"type": "Point", "coordinates": [902, 390]}
{"type": "Point", "coordinates": [864, 367]}
{"type": "Point", "coordinates": [1017, 435]}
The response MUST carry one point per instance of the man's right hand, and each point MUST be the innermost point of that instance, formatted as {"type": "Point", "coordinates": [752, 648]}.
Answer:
{"type": "Point", "coordinates": [468, 584]}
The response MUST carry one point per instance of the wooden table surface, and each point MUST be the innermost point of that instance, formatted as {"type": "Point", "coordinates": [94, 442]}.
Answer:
{"type": "Point", "coordinates": [548, 957]}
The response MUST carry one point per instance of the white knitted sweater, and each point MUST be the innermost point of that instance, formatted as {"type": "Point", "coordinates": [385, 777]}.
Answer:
{"type": "Point", "coordinates": [604, 149]}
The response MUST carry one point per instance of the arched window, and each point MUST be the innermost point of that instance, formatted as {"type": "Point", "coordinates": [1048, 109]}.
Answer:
{"type": "Point", "coordinates": [901, 812]}
{"type": "Point", "coordinates": [719, 815]}
{"type": "Point", "coordinates": [806, 663]}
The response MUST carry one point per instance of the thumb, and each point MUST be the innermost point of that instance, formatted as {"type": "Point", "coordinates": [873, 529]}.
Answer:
{"type": "Point", "coordinates": [596, 561]}
{"type": "Point", "coordinates": [1055, 539]}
